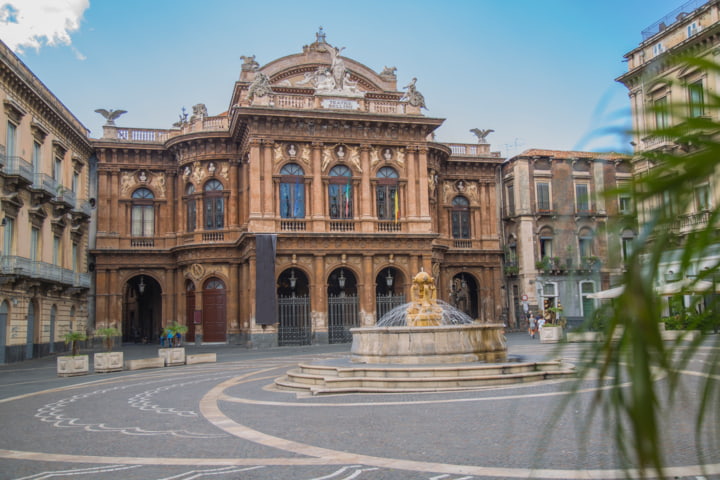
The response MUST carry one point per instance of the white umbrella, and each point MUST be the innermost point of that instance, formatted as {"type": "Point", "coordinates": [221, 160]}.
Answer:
{"type": "Point", "coordinates": [609, 293]}
{"type": "Point", "coordinates": [687, 286]}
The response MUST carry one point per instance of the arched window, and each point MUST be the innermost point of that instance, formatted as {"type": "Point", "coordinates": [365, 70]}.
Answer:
{"type": "Point", "coordinates": [386, 193]}
{"type": "Point", "coordinates": [460, 217]}
{"type": "Point", "coordinates": [143, 213]}
{"type": "Point", "coordinates": [340, 192]}
{"type": "Point", "coordinates": [292, 191]}
{"type": "Point", "coordinates": [190, 207]}
{"type": "Point", "coordinates": [214, 205]}
{"type": "Point", "coordinates": [546, 243]}
{"type": "Point", "coordinates": [585, 243]}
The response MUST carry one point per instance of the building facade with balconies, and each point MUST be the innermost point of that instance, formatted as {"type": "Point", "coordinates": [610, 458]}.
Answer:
{"type": "Point", "coordinates": [304, 210]}
{"type": "Point", "coordinates": [45, 216]}
{"type": "Point", "coordinates": [564, 237]}
{"type": "Point", "coordinates": [669, 94]}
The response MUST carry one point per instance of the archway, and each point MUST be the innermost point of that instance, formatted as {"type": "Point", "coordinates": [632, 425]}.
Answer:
{"type": "Point", "coordinates": [214, 311]}
{"type": "Point", "coordinates": [343, 306]}
{"type": "Point", "coordinates": [389, 291]}
{"type": "Point", "coordinates": [4, 309]}
{"type": "Point", "coordinates": [190, 311]}
{"type": "Point", "coordinates": [142, 317]}
{"type": "Point", "coordinates": [30, 338]}
{"type": "Point", "coordinates": [294, 319]}
{"type": "Point", "coordinates": [464, 294]}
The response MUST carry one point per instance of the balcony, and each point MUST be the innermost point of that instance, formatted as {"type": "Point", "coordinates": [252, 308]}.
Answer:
{"type": "Point", "coordinates": [19, 168]}
{"type": "Point", "coordinates": [691, 222]}
{"type": "Point", "coordinates": [342, 225]}
{"type": "Point", "coordinates": [19, 267]}
{"type": "Point", "coordinates": [389, 227]}
{"type": "Point", "coordinates": [44, 187]}
{"type": "Point", "coordinates": [287, 225]}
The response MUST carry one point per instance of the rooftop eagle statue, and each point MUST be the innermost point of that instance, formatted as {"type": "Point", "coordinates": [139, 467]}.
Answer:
{"type": "Point", "coordinates": [110, 115]}
{"type": "Point", "coordinates": [481, 134]}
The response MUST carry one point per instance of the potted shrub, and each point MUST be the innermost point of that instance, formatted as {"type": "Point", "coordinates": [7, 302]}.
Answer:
{"type": "Point", "coordinates": [73, 364]}
{"type": "Point", "coordinates": [108, 361]}
{"type": "Point", "coordinates": [175, 354]}
{"type": "Point", "coordinates": [552, 330]}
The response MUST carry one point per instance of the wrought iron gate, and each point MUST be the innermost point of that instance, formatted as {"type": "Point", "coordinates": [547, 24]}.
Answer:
{"type": "Point", "coordinates": [385, 303]}
{"type": "Point", "coordinates": [295, 323]}
{"type": "Point", "coordinates": [342, 316]}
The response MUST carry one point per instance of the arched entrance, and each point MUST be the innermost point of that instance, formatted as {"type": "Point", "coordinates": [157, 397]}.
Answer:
{"type": "Point", "coordinates": [463, 294]}
{"type": "Point", "coordinates": [142, 310]}
{"type": "Point", "coordinates": [31, 324]}
{"type": "Point", "coordinates": [214, 308]}
{"type": "Point", "coordinates": [343, 305]}
{"type": "Point", "coordinates": [294, 320]}
{"type": "Point", "coordinates": [388, 291]}
{"type": "Point", "coordinates": [4, 309]}
{"type": "Point", "coordinates": [190, 310]}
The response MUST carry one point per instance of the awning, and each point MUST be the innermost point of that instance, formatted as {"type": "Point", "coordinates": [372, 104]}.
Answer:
{"type": "Point", "coordinates": [686, 286]}
{"type": "Point", "coordinates": [609, 293]}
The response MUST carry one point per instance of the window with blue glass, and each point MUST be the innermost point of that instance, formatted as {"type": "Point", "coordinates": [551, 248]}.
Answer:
{"type": "Point", "coordinates": [292, 191]}
{"type": "Point", "coordinates": [340, 192]}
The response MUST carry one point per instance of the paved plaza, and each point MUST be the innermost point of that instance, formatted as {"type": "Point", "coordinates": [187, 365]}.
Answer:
{"type": "Point", "coordinates": [225, 421]}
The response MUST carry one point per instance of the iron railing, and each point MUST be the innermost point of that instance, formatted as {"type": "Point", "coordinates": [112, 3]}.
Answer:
{"type": "Point", "coordinates": [343, 315]}
{"type": "Point", "coordinates": [294, 321]}
{"type": "Point", "coordinates": [21, 266]}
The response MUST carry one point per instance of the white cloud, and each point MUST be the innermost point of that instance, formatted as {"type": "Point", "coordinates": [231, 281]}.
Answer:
{"type": "Point", "coordinates": [37, 23]}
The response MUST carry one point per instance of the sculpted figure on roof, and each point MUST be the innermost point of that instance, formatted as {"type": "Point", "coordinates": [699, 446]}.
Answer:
{"type": "Point", "coordinates": [260, 86]}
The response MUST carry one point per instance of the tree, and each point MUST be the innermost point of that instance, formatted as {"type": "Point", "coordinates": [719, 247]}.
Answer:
{"type": "Point", "coordinates": [633, 356]}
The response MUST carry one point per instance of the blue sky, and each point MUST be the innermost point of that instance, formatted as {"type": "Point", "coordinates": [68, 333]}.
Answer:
{"type": "Point", "coordinates": [540, 73]}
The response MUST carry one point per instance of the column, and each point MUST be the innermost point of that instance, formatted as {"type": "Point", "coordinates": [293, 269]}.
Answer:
{"type": "Point", "coordinates": [267, 181]}
{"type": "Point", "coordinates": [423, 196]}
{"type": "Point", "coordinates": [366, 203]}
{"type": "Point", "coordinates": [367, 298]}
{"type": "Point", "coordinates": [412, 196]}
{"type": "Point", "coordinates": [233, 299]}
{"type": "Point", "coordinates": [319, 296]}
{"type": "Point", "coordinates": [234, 202]}
{"type": "Point", "coordinates": [317, 206]}
{"type": "Point", "coordinates": [253, 186]}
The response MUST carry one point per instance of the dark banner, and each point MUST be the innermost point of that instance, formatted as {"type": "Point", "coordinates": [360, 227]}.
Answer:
{"type": "Point", "coordinates": [265, 294]}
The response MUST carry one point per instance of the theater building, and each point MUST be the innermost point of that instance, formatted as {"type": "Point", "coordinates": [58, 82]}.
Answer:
{"type": "Point", "coordinates": [302, 211]}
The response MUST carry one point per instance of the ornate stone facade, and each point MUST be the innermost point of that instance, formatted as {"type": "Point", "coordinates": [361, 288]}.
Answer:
{"type": "Point", "coordinates": [336, 165]}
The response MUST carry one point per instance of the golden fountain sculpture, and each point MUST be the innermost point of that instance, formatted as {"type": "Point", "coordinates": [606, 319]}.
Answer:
{"type": "Point", "coordinates": [424, 310]}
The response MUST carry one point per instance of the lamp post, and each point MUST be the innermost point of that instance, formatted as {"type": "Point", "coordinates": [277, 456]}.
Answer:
{"type": "Point", "coordinates": [141, 285]}
{"type": "Point", "coordinates": [389, 281]}
{"type": "Point", "coordinates": [293, 281]}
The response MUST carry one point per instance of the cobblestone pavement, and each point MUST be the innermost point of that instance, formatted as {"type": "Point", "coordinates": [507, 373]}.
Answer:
{"type": "Point", "coordinates": [225, 421]}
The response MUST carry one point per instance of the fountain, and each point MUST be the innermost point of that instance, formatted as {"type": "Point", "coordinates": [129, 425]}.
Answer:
{"type": "Point", "coordinates": [425, 345]}
{"type": "Point", "coordinates": [428, 331]}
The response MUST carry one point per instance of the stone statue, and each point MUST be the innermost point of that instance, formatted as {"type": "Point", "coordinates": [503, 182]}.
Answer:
{"type": "Point", "coordinates": [110, 115]}
{"type": "Point", "coordinates": [260, 86]}
{"type": "Point", "coordinates": [481, 134]}
{"type": "Point", "coordinates": [423, 310]}
{"type": "Point", "coordinates": [412, 96]}
{"type": "Point", "coordinates": [388, 72]}
{"type": "Point", "coordinates": [249, 63]}
{"type": "Point", "coordinates": [337, 67]}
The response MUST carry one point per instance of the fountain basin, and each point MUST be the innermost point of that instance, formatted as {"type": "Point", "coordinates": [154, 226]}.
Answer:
{"type": "Point", "coordinates": [475, 342]}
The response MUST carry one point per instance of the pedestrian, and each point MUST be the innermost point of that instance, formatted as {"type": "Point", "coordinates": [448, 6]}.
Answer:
{"type": "Point", "coordinates": [532, 326]}
{"type": "Point", "coordinates": [540, 323]}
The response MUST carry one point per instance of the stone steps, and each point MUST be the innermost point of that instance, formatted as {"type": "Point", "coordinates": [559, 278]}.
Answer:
{"type": "Point", "coordinates": [325, 379]}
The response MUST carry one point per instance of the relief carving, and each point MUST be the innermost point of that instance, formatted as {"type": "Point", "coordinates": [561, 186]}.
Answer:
{"type": "Point", "coordinates": [305, 155]}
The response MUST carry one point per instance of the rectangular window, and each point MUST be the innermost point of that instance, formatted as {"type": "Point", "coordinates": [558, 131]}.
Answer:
{"type": "Point", "coordinates": [696, 99]}
{"type": "Point", "coordinates": [8, 236]}
{"type": "Point", "coordinates": [511, 200]}
{"type": "Point", "coordinates": [36, 157]}
{"type": "Point", "coordinates": [34, 243]}
{"type": "Point", "coordinates": [702, 198]}
{"type": "Point", "coordinates": [546, 247]}
{"type": "Point", "coordinates": [582, 203]}
{"type": "Point", "coordinates": [57, 170]}
{"type": "Point", "coordinates": [662, 117]}
{"type": "Point", "coordinates": [625, 204]}
{"type": "Point", "coordinates": [75, 182]}
{"type": "Point", "coordinates": [626, 246]}
{"type": "Point", "coordinates": [543, 196]}
{"type": "Point", "coordinates": [56, 251]}
{"type": "Point", "coordinates": [658, 48]}
{"type": "Point", "coordinates": [692, 29]}
{"type": "Point", "coordinates": [75, 257]}
{"type": "Point", "coordinates": [11, 139]}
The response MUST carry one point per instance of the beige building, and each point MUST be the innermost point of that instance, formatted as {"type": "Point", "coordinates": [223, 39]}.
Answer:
{"type": "Point", "coordinates": [664, 93]}
{"type": "Point", "coordinates": [45, 217]}
{"type": "Point", "coordinates": [303, 211]}
{"type": "Point", "coordinates": [563, 237]}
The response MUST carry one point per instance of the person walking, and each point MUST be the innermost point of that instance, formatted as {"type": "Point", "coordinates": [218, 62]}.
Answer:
{"type": "Point", "coordinates": [532, 326]}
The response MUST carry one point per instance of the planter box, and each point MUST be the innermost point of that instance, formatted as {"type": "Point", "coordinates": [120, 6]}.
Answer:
{"type": "Point", "coordinates": [108, 362]}
{"type": "Point", "coordinates": [551, 334]}
{"type": "Point", "coordinates": [584, 336]}
{"type": "Point", "coordinates": [140, 363]}
{"type": "Point", "coordinates": [172, 356]}
{"type": "Point", "coordinates": [71, 366]}
{"type": "Point", "coordinates": [201, 358]}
